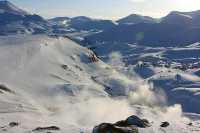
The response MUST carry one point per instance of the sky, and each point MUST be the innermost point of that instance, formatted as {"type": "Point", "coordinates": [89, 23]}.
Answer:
{"type": "Point", "coordinates": [107, 9]}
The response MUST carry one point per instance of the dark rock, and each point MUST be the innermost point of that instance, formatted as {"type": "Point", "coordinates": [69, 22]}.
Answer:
{"type": "Point", "coordinates": [165, 124]}
{"type": "Point", "coordinates": [130, 125]}
{"type": "Point", "coordinates": [190, 124]}
{"type": "Point", "coordinates": [78, 67]}
{"type": "Point", "coordinates": [134, 120]}
{"type": "Point", "coordinates": [110, 128]}
{"type": "Point", "coordinates": [121, 123]}
{"type": "Point", "coordinates": [5, 88]}
{"type": "Point", "coordinates": [93, 58]}
{"type": "Point", "coordinates": [4, 129]}
{"type": "Point", "coordinates": [64, 67]}
{"type": "Point", "coordinates": [13, 124]}
{"type": "Point", "coordinates": [54, 128]}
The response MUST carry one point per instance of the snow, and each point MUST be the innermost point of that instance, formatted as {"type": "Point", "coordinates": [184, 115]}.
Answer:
{"type": "Point", "coordinates": [188, 89]}
{"type": "Point", "coordinates": [6, 6]}
{"type": "Point", "coordinates": [55, 83]}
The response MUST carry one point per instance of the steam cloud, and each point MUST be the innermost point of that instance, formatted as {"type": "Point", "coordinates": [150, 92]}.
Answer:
{"type": "Point", "coordinates": [86, 110]}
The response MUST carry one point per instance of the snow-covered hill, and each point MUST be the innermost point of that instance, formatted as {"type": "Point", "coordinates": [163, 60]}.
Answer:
{"type": "Point", "coordinates": [65, 25]}
{"type": "Point", "coordinates": [53, 81]}
{"type": "Point", "coordinates": [7, 7]}
{"type": "Point", "coordinates": [14, 20]}
{"type": "Point", "coordinates": [164, 65]}
{"type": "Point", "coordinates": [135, 19]}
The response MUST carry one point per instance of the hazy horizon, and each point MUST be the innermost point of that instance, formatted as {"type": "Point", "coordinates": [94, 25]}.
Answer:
{"type": "Point", "coordinates": [107, 9]}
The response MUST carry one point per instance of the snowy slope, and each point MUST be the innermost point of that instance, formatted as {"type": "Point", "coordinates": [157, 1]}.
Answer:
{"type": "Point", "coordinates": [8, 7]}
{"type": "Point", "coordinates": [14, 20]}
{"type": "Point", "coordinates": [51, 81]}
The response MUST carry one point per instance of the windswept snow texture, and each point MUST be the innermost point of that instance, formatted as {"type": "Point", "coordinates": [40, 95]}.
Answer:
{"type": "Point", "coordinates": [167, 67]}
{"type": "Point", "coordinates": [48, 81]}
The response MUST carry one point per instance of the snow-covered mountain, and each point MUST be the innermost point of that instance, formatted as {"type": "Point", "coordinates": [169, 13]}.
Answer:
{"type": "Point", "coordinates": [177, 28]}
{"type": "Point", "coordinates": [177, 18]}
{"type": "Point", "coordinates": [15, 20]}
{"type": "Point", "coordinates": [50, 83]}
{"type": "Point", "coordinates": [157, 35]}
{"type": "Point", "coordinates": [135, 19]}
{"type": "Point", "coordinates": [8, 7]}
{"type": "Point", "coordinates": [184, 18]}
{"type": "Point", "coordinates": [59, 20]}
{"type": "Point", "coordinates": [161, 62]}
{"type": "Point", "coordinates": [63, 25]}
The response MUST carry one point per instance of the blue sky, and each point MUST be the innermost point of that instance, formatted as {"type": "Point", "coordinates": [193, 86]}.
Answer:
{"type": "Point", "coordinates": [109, 9]}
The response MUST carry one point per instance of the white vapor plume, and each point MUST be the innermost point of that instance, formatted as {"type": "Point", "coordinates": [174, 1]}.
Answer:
{"type": "Point", "coordinates": [86, 109]}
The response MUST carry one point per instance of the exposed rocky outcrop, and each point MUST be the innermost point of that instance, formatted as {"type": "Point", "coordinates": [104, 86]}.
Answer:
{"type": "Point", "coordinates": [111, 128]}
{"type": "Point", "coordinates": [130, 125]}
{"type": "Point", "coordinates": [93, 57]}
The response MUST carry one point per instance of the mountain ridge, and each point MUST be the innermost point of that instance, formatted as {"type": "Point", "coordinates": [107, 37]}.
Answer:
{"type": "Point", "coordinates": [14, 20]}
{"type": "Point", "coordinates": [135, 19]}
{"type": "Point", "coordinates": [6, 6]}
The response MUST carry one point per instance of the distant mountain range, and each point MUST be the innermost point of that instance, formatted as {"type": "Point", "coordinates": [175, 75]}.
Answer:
{"type": "Point", "coordinates": [82, 23]}
{"type": "Point", "coordinates": [177, 28]}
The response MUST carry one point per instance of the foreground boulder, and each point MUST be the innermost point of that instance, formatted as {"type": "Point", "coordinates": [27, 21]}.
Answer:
{"type": "Point", "coordinates": [111, 128]}
{"type": "Point", "coordinates": [134, 120]}
{"type": "Point", "coordinates": [130, 125]}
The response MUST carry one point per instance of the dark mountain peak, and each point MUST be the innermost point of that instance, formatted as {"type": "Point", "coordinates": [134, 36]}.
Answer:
{"type": "Point", "coordinates": [81, 19]}
{"type": "Point", "coordinates": [177, 13]}
{"type": "Point", "coordinates": [8, 7]}
{"type": "Point", "coordinates": [135, 19]}
{"type": "Point", "coordinates": [135, 15]}
{"type": "Point", "coordinates": [179, 18]}
{"type": "Point", "coordinates": [191, 14]}
{"type": "Point", "coordinates": [194, 13]}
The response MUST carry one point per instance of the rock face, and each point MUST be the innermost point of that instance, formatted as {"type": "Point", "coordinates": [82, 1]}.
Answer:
{"type": "Point", "coordinates": [130, 125]}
